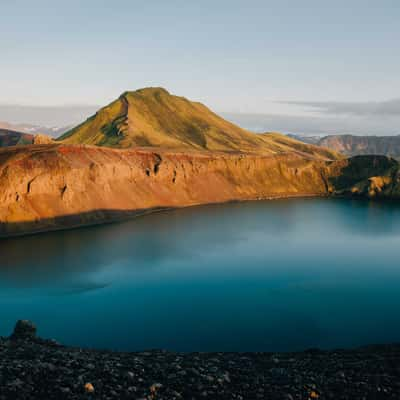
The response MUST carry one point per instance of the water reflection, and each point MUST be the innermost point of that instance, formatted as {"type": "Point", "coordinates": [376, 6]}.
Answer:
{"type": "Point", "coordinates": [282, 275]}
{"type": "Point", "coordinates": [144, 242]}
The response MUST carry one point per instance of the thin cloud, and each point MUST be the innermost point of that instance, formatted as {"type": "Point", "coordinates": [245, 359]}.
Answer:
{"type": "Point", "coordinates": [321, 125]}
{"type": "Point", "coordinates": [371, 108]}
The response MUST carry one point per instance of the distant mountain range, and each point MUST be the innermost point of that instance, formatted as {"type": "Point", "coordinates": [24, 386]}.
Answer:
{"type": "Point", "coordinates": [13, 138]}
{"type": "Point", "coordinates": [352, 145]}
{"type": "Point", "coordinates": [53, 131]}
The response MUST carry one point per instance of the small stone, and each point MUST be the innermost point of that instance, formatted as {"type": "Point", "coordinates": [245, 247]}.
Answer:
{"type": "Point", "coordinates": [130, 375]}
{"type": "Point", "coordinates": [155, 387]}
{"type": "Point", "coordinates": [89, 388]}
{"type": "Point", "coordinates": [194, 371]}
{"type": "Point", "coordinates": [341, 374]}
{"type": "Point", "coordinates": [17, 383]}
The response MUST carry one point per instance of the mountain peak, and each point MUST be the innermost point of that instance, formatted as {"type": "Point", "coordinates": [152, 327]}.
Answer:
{"type": "Point", "coordinates": [154, 117]}
{"type": "Point", "coordinates": [147, 91]}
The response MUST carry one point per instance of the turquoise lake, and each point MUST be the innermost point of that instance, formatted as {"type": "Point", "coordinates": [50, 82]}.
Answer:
{"type": "Point", "coordinates": [256, 276]}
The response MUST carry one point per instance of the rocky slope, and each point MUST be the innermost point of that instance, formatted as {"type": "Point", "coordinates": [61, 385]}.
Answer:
{"type": "Point", "coordinates": [33, 368]}
{"type": "Point", "coordinates": [51, 186]}
{"type": "Point", "coordinates": [366, 176]}
{"type": "Point", "coordinates": [45, 187]}
{"type": "Point", "coordinates": [31, 129]}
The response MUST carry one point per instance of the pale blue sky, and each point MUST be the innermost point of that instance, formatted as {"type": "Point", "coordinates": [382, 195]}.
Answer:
{"type": "Point", "coordinates": [235, 56]}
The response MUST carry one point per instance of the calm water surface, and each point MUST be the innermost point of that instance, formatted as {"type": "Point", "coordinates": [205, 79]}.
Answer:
{"type": "Point", "coordinates": [277, 275]}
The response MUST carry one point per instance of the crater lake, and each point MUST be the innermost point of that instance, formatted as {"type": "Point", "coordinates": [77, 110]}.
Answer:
{"type": "Point", "coordinates": [277, 275]}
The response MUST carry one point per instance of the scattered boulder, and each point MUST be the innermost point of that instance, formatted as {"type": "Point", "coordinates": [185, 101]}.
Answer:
{"type": "Point", "coordinates": [89, 388]}
{"type": "Point", "coordinates": [23, 330]}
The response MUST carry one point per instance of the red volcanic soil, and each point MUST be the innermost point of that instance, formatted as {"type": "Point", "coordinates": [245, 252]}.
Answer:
{"type": "Point", "coordinates": [47, 187]}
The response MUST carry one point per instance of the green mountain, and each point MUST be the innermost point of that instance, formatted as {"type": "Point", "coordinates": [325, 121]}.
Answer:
{"type": "Point", "coordinates": [152, 117]}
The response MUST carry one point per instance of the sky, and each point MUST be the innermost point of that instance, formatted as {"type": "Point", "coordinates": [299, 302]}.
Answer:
{"type": "Point", "coordinates": [326, 61]}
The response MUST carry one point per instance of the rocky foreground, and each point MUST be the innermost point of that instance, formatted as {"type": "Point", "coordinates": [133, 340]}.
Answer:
{"type": "Point", "coordinates": [34, 368]}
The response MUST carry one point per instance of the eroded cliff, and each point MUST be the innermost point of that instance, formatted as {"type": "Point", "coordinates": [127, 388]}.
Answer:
{"type": "Point", "coordinates": [54, 186]}
{"type": "Point", "coordinates": [46, 187]}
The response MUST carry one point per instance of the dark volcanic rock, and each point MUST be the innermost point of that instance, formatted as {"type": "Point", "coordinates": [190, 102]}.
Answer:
{"type": "Point", "coordinates": [40, 369]}
{"type": "Point", "coordinates": [24, 330]}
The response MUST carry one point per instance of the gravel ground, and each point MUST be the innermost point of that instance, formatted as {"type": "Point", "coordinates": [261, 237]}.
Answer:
{"type": "Point", "coordinates": [34, 368]}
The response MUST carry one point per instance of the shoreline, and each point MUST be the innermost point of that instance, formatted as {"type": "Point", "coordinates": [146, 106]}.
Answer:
{"type": "Point", "coordinates": [34, 368]}
{"type": "Point", "coordinates": [133, 214]}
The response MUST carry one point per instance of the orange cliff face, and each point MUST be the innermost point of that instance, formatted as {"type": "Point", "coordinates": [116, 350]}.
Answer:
{"type": "Point", "coordinates": [49, 187]}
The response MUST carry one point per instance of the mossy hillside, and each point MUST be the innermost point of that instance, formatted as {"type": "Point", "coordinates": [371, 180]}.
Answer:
{"type": "Point", "coordinates": [99, 129]}
{"type": "Point", "coordinates": [153, 117]}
